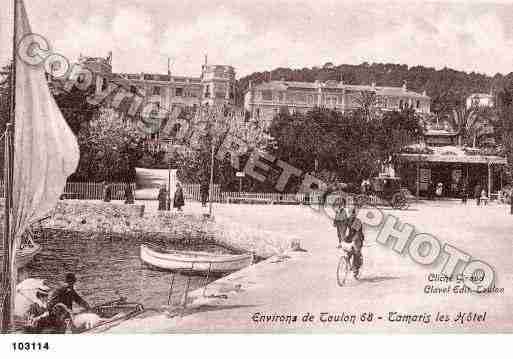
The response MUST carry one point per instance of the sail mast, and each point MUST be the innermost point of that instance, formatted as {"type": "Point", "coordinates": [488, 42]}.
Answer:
{"type": "Point", "coordinates": [8, 304]}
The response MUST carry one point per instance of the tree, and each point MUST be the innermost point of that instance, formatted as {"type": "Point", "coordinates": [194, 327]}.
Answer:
{"type": "Point", "coordinates": [470, 123]}
{"type": "Point", "coordinates": [505, 134]}
{"type": "Point", "coordinates": [347, 147]}
{"type": "Point", "coordinates": [109, 149]}
{"type": "Point", "coordinates": [368, 104]}
{"type": "Point", "coordinates": [210, 128]}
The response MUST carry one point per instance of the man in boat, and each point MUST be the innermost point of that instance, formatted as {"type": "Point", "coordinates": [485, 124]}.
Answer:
{"type": "Point", "coordinates": [67, 295]}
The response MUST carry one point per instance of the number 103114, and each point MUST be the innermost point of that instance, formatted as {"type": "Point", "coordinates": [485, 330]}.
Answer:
{"type": "Point", "coordinates": [30, 346]}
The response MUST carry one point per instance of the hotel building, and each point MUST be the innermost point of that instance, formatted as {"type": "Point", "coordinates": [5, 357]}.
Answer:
{"type": "Point", "coordinates": [215, 85]}
{"type": "Point", "coordinates": [266, 99]}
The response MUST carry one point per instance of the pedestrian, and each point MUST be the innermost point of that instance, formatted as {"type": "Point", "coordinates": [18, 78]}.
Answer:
{"type": "Point", "coordinates": [464, 192]}
{"type": "Point", "coordinates": [484, 197]}
{"type": "Point", "coordinates": [162, 198]}
{"type": "Point", "coordinates": [439, 189]}
{"type": "Point", "coordinates": [129, 194]}
{"type": "Point", "coordinates": [107, 192]}
{"type": "Point", "coordinates": [204, 192]}
{"type": "Point", "coordinates": [431, 189]}
{"type": "Point", "coordinates": [477, 193]}
{"type": "Point", "coordinates": [178, 201]}
{"type": "Point", "coordinates": [340, 221]}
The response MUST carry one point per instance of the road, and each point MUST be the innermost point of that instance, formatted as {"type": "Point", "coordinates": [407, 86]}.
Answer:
{"type": "Point", "coordinates": [392, 286]}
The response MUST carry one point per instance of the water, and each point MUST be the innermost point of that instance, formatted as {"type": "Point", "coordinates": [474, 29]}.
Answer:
{"type": "Point", "coordinates": [107, 268]}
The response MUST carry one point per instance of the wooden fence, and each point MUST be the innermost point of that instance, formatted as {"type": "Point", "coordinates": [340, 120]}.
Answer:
{"type": "Point", "coordinates": [192, 191]}
{"type": "Point", "coordinates": [94, 191]}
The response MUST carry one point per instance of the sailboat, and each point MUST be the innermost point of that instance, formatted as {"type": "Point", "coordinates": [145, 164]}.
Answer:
{"type": "Point", "coordinates": [27, 248]}
{"type": "Point", "coordinates": [41, 152]}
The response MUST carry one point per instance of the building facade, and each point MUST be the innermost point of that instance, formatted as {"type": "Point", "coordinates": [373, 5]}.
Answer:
{"type": "Point", "coordinates": [266, 99]}
{"type": "Point", "coordinates": [215, 85]}
{"type": "Point", "coordinates": [480, 100]}
{"type": "Point", "coordinates": [438, 159]}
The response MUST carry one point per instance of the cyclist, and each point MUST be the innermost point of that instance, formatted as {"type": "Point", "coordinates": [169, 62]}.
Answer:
{"type": "Point", "coordinates": [355, 237]}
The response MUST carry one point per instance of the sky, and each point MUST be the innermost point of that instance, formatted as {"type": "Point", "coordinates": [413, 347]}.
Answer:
{"type": "Point", "coordinates": [261, 35]}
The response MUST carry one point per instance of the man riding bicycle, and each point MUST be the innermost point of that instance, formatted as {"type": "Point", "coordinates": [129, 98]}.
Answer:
{"type": "Point", "coordinates": [354, 242]}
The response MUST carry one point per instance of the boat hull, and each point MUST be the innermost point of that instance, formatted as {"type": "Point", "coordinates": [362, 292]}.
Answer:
{"type": "Point", "coordinates": [195, 262]}
{"type": "Point", "coordinates": [113, 314]}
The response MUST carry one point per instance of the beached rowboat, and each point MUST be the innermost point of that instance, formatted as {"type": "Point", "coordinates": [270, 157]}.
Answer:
{"type": "Point", "coordinates": [112, 314]}
{"type": "Point", "coordinates": [195, 262]}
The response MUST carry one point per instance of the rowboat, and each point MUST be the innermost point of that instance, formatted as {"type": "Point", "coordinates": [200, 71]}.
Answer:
{"type": "Point", "coordinates": [195, 262]}
{"type": "Point", "coordinates": [112, 314]}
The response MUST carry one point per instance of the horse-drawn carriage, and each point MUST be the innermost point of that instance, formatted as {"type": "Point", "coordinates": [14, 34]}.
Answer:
{"type": "Point", "coordinates": [386, 190]}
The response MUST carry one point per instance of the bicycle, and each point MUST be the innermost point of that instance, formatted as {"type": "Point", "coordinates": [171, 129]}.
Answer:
{"type": "Point", "coordinates": [345, 263]}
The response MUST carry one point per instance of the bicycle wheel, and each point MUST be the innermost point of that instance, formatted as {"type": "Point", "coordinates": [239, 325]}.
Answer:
{"type": "Point", "coordinates": [342, 270]}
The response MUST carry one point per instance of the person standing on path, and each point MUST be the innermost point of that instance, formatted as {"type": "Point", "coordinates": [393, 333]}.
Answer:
{"type": "Point", "coordinates": [477, 193]}
{"type": "Point", "coordinates": [178, 201]}
{"type": "Point", "coordinates": [340, 221]}
{"type": "Point", "coordinates": [464, 192]}
{"type": "Point", "coordinates": [431, 189]}
{"type": "Point", "coordinates": [162, 198]}
{"type": "Point", "coordinates": [129, 194]}
{"type": "Point", "coordinates": [204, 190]}
{"type": "Point", "coordinates": [107, 192]}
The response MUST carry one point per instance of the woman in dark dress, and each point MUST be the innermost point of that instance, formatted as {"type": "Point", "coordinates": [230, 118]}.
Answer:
{"type": "Point", "coordinates": [162, 197]}
{"type": "Point", "coordinates": [129, 194]}
{"type": "Point", "coordinates": [178, 201]}
{"type": "Point", "coordinates": [107, 192]}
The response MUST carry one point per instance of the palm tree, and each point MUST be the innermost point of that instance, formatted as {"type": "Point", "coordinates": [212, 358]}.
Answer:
{"type": "Point", "coordinates": [368, 103]}
{"type": "Point", "coordinates": [470, 123]}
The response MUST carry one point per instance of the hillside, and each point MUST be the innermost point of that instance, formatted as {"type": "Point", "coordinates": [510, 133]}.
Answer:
{"type": "Point", "coordinates": [446, 87]}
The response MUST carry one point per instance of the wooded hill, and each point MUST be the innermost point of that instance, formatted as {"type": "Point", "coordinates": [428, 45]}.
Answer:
{"type": "Point", "coordinates": [447, 88]}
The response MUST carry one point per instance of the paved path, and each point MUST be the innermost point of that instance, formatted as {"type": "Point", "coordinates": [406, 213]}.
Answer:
{"type": "Point", "coordinates": [305, 282]}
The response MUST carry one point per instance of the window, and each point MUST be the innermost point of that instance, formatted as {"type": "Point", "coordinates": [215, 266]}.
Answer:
{"type": "Point", "coordinates": [418, 103]}
{"type": "Point", "coordinates": [179, 92]}
{"type": "Point", "coordinates": [401, 104]}
{"type": "Point", "coordinates": [133, 89]}
{"type": "Point", "coordinates": [156, 90]}
{"type": "Point", "coordinates": [267, 95]}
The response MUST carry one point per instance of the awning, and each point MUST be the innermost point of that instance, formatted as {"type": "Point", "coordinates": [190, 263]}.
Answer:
{"type": "Point", "coordinates": [409, 157]}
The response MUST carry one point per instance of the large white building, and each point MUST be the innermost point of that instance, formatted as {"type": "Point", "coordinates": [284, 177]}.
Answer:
{"type": "Point", "coordinates": [215, 85]}
{"type": "Point", "coordinates": [266, 99]}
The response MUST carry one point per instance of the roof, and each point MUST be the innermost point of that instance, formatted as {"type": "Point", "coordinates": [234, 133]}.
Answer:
{"type": "Point", "coordinates": [431, 132]}
{"type": "Point", "coordinates": [380, 90]}
{"type": "Point", "coordinates": [450, 154]}
{"type": "Point", "coordinates": [159, 77]}
{"type": "Point", "coordinates": [485, 95]}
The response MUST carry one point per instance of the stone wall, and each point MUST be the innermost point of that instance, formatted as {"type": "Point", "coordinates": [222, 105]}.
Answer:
{"type": "Point", "coordinates": [130, 221]}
